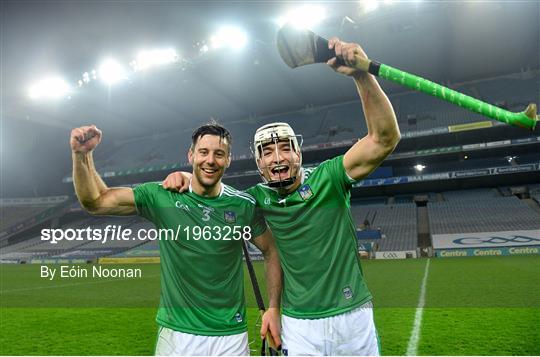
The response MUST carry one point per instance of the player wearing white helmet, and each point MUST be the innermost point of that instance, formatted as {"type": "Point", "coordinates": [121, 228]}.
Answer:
{"type": "Point", "coordinates": [326, 304]}
{"type": "Point", "coordinates": [283, 174]}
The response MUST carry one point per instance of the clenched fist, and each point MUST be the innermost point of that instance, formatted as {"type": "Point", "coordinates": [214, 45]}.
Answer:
{"type": "Point", "coordinates": [85, 139]}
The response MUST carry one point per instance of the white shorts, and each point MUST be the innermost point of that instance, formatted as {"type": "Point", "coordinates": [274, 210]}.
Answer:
{"type": "Point", "coordinates": [175, 343]}
{"type": "Point", "coordinates": [352, 333]}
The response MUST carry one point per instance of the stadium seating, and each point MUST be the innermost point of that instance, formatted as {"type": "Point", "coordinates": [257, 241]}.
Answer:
{"type": "Point", "coordinates": [35, 247]}
{"type": "Point", "coordinates": [479, 194]}
{"type": "Point", "coordinates": [334, 123]}
{"type": "Point", "coordinates": [478, 211]}
{"type": "Point", "coordinates": [397, 224]}
{"type": "Point", "coordinates": [12, 215]}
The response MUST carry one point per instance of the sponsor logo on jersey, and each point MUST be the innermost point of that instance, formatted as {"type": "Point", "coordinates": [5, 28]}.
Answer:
{"type": "Point", "coordinates": [347, 292]}
{"type": "Point", "coordinates": [305, 192]}
{"type": "Point", "coordinates": [181, 205]}
{"type": "Point", "coordinates": [230, 217]}
{"type": "Point", "coordinates": [238, 317]}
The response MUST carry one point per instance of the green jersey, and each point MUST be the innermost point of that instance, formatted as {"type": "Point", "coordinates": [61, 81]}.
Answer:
{"type": "Point", "coordinates": [316, 238]}
{"type": "Point", "coordinates": [202, 281]}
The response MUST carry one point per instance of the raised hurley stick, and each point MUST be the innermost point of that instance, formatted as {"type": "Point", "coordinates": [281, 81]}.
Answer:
{"type": "Point", "coordinates": [302, 47]}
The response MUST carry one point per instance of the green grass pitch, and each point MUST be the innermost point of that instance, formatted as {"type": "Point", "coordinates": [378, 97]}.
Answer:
{"type": "Point", "coordinates": [474, 306]}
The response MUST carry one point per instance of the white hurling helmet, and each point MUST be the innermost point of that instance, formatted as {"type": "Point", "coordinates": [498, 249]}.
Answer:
{"type": "Point", "coordinates": [272, 134]}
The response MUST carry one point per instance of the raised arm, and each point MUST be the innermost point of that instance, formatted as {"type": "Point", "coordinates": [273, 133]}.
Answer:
{"type": "Point", "coordinates": [92, 192]}
{"type": "Point", "coordinates": [383, 131]}
{"type": "Point", "coordinates": [271, 318]}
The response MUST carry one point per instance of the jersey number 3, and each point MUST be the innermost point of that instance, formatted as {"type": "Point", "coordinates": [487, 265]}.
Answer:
{"type": "Point", "coordinates": [206, 214]}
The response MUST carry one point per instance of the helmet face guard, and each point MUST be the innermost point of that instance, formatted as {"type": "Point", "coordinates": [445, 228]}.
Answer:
{"type": "Point", "coordinates": [275, 133]}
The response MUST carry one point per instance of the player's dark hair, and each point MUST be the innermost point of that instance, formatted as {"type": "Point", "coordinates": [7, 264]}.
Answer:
{"type": "Point", "coordinates": [212, 128]}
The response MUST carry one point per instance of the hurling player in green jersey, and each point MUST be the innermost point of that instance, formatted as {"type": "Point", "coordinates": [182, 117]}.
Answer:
{"type": "Point", "coordinates": [326, 304]}
{"type": "Point", "coordinates": [202, 305]}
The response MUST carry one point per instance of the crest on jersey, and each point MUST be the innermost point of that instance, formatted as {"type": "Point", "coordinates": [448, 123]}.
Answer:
{"type": "Point", "coordinates": [238, 317]}
{"type": "Point", "coordinates": [305, 192]}
{"type": "Point", "coordinates": [230, 217]}
{"type": "Point", "coordinates": [347, 292]}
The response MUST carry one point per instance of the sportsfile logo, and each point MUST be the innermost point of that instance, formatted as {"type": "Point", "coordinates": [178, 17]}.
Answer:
{"type": "Point", "coordinates": [113, 233]}
{"type": "Point", "coordinates": [108, 234]}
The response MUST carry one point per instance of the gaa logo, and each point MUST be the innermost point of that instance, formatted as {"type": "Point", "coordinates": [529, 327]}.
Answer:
{"type": "Point", "coordinates": [238, 317]}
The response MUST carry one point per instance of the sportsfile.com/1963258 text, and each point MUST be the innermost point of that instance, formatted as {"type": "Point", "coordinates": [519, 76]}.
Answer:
{"type": "Point", "coordinates": [111, 233]}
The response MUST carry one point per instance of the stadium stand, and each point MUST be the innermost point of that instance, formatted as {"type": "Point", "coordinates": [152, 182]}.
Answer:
{"type": "Point", "coordinates": [479, 211]}
{"type": "Point", "coordinates": [15, 214]}
{"type": "Point", "coordinates": [394, 218]}
{"type": "Point", "coordinates": [473, 194]}
{"type": "Point", "coordinates": [333, 123]}
{"type": "Point", "coordinates": [397, 224]}
{"type": "Point", "coordinates": [534, 191]}
{"type": "Point", "coordinates": [35, 247]}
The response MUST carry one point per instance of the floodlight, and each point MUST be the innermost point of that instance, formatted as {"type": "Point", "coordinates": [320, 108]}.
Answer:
{"type": "Point", "coordinates": [370, 5]}
{"type": "Point", "coordinates": [304, 17]}
{"type": "Point", "coordinates": [86, 77]}
{"type": "Point", "coordinates": [111, 72]}
{"type": "Point", "coordinates": [419, 167]}
{"type": "Point", "coordinates": [50, 88]}
{"type": "Point", "coordinates": [232, 37]}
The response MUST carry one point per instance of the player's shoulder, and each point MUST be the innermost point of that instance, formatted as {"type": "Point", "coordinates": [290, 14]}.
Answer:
{"type": "Point", "coordinates": [149, 186]}
{"type": "Point", "coordinates": [254, 190]}
{"type": "Point", "coordinates": [151, 190]}
{"type": "Point", "coordinates": [325, 167]}
{"type": "Point", "coordinates": [233, 194]}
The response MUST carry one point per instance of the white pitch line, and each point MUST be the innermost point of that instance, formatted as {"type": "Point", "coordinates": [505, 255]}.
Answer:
{"type": "Point", "coordinates": [412, 347]}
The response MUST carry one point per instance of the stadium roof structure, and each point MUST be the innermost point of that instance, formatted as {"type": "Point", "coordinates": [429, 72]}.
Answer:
{"type": "Point", "coordinates": [446, 42]}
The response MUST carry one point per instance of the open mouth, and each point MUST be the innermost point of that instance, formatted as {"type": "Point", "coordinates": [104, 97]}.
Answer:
{"type": "Point", "coordinates": [280, 172]}
{"type": "Point", "coordinates": [209, 171]}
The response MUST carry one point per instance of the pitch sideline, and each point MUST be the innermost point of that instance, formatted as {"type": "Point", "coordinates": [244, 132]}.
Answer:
{"type": "Point", "coordinates": [412, 347]}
